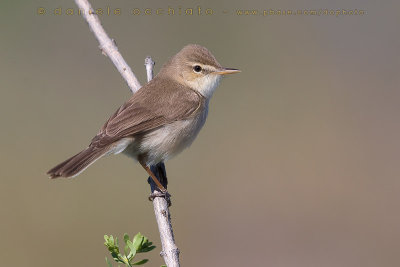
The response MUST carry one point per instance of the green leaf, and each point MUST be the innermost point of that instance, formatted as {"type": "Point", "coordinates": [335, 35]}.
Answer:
{"type": "Point", "coordinates": [147, 244]}
{"type": "Point", "coordinates": [126, 237]}
{"type": "Point", "coordinates": [132, 248]}
{"type": "Point", "coordinates": [130, 244]}
{"type": "Point", "coordinates": [141, 262]}
{"type": "Point", "coordinates": [137, 241]}
{"type": "Point", "coordinates": [126, 250]}
{"type": "Point", "coordinates": [142, 250]}
{"type": "Point", "coordinates": [139, 244]}
{"type": "Point", "coordinates": [163, 266]}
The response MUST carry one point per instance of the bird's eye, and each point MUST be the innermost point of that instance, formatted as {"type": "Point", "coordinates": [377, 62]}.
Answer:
{"type": "Point", "coordinates": [197, 68]}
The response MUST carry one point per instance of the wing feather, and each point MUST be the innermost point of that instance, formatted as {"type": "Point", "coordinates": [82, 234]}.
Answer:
{"type": "Point", "coordinates": [146, 110]}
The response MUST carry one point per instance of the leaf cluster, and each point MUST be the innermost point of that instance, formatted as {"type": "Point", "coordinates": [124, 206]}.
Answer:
{"type": "Point", "coordinates": [139, 244]}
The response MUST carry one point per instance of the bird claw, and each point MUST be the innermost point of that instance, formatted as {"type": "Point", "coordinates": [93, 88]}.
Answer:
{"type": "Point", "coordinates": [164, 195]}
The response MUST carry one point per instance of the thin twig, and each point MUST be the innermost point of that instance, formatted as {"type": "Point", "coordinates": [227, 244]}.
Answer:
{"type": "Point", "coordinates": [108, 47]}
{"type": "Point", "coordinates": [149, 63]}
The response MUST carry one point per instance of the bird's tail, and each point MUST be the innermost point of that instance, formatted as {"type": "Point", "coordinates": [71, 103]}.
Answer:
{"type": "Point", "coordinates": [78, 163]}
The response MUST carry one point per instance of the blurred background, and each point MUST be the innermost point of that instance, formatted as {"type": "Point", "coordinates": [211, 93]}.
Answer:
{"type": "Point", "coordinates": [297, 165]}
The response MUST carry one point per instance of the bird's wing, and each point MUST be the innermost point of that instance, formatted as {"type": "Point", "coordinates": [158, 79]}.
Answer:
{"type": "Point", "coordinates": [149, 108]}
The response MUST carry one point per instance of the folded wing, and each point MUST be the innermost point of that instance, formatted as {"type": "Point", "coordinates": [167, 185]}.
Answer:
{"type": "Point", "coordinates": [149, 108]}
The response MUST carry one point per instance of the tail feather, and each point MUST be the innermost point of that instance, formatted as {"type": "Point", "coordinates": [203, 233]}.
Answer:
{"type": "Point", "coordinates": [78, 163]}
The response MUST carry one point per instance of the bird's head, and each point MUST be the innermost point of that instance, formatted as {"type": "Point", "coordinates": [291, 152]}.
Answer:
{"type": "Point", "coordinates": [195, 67]}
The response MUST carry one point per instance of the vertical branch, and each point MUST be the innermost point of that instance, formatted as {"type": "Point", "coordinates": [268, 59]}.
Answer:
{"type": "Point", "coordinates": [149, 63]}
{"type": "Point", "coordinates": [109, 48]}
{"type": "Point", "coordinates": [161, 203]}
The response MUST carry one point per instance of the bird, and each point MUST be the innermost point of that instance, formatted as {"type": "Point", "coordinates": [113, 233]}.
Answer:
{"type": "Point", "coordinates": [161, 119]}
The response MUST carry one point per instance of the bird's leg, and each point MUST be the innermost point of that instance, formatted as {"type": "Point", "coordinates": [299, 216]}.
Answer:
{"type": "Point", "coordinates": [160, 173]}
{"type": "Point", "coordinates": [159, 185]}
{"type": "Point", "coordinates": [156, 183]}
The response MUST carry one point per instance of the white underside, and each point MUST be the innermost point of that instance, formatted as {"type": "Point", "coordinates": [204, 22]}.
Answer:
{"type": "Point", "coordinates": [164, 142]}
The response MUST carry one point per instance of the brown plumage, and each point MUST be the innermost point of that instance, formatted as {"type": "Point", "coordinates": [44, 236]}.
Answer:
{"type": "Point", "coordinates": [143, 112]}
{"type": "Point", "coordinates": [160, 119]}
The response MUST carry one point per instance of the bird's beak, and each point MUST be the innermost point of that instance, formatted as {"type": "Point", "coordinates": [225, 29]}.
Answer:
{"type": "Point", "coordinates": [225, 71]}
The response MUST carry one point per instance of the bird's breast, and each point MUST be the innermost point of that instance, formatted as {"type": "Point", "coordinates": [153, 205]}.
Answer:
{"type": "Point", "coordinates": [169, 140]}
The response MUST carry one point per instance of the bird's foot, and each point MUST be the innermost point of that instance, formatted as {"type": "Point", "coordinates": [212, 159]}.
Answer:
{"type": "Point", "coordinates": [164, 195]}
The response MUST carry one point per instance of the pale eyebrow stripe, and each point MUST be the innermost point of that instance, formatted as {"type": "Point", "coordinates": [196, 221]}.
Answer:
{"type": "Point", "coordinates": [206, 68]}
